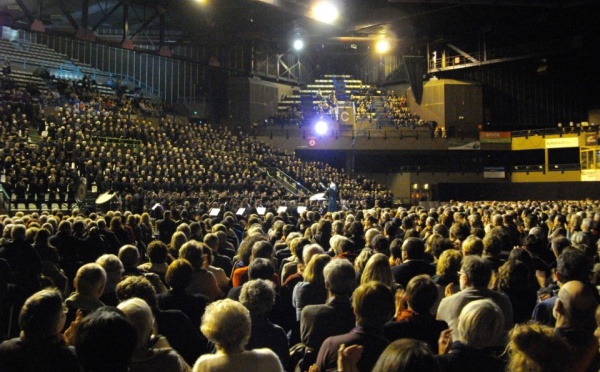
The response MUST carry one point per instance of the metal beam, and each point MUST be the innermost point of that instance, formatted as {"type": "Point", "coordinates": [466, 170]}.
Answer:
{"type": "Point", "coordinates": [25, 10]}
{"type": "Point", "coordinates": [106, 16]}
{"type": "Point", "coordinates": [67, 13]}
{"type": "Point", "coordinates": [145, 24]}
{"type": "Point", "coordinates": [85, 6]}
{"type": "Point", "coordinates": [125, 21]}
{"type": "Point", "coordinates": [463, 53]}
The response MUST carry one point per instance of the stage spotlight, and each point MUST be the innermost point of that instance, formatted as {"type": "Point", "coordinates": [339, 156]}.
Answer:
{"type": "Point", "coordinates": [321, 127]}
{"type": "Point", "coordinates": [325, 11]}
{"type": "Point", "coordinates": [298, 44]}
{"type": "Point", "coordinates": [382, 46]}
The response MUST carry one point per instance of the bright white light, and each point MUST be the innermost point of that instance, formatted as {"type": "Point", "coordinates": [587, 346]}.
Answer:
{"type": "Point", "coordinates": [321, 127]}
{"type": "Point", "coordinates": [325, 12]}
{"type": "Point", "coordinates": [298, 44]}
{"type": "Point", "coordinates": [382, 46]}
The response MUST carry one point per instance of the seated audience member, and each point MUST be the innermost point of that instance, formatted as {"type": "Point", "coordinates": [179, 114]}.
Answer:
{"type": "Point", "coordinates": [227, 324]}
{"type": "Point", "coordinates": [480, 325]}
{"type": "Point", "coordinates": [571, 265]}
{"type": "Point", "coordinates": [406, 355]}
{"type": "Point", "coordinates": [203, 281]}
{"type": "Point", "coordinates": [158, 255]}
{"type": "Point", "coordinates": [24, 262]}
{"type": "Point", "coordinates": [151, 353]}
{"type": "Point", "coordinates": [536, 348]}
{"type": "Point", "coordinates": [222, 279]}
{"type": "Point", "coordinates": [378, 269]}
{"type": "Point", "coordinates": [416, 321]}
{"type": "Point", "coordinates": [515, 279]}
{"type": "Point", "coordinates": [219, 260]}
{"type": "Point", "coordinates": [260, 249]}
{"type": "Point", "coordinates": [369, 327]}
{"type": "Point", "coordinates": [472, 245]}
{"type": "Point", "coordinates": [130, 257]}
{"type": "Point", "coordinates": [258, 296]}
{"type": "Point", "coordinates": [312, 290]}
{"type": "Point", "coordinates": [114, 274]}
{"type": "Point", "coordinates": [335, 317]}
{"type": "Point", "coordinates": [413, 262]}
{"type": "Point", "coordinates": [40, 346]}
{"type": "Point", "coordinates": [574, 310]}
{"type": "Point", "coordinates": [89, 286]}
{"type": "Point", "coordinates": [173, 324]}
{"type": "Point", "coordinates": [493, 246]}
{"type": "Point", "coordinates": [105, 341]}
{"type": "Point", "coordinates": [179, 276]}
{"type": "Point", "coordinates": [475, 275]}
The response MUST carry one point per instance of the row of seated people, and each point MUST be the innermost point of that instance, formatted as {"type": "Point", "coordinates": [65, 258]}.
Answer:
{"type": "Point", "coordinates": [455, 286]}
{"type": "Point", "coordinates": [174, 158]}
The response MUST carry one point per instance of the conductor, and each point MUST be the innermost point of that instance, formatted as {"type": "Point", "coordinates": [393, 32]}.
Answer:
{"type": "Point", "coordinates": [332, 195]}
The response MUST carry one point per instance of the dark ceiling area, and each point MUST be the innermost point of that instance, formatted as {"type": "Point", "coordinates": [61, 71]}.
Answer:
{"type": "Point", "coordinates": [411, 23]}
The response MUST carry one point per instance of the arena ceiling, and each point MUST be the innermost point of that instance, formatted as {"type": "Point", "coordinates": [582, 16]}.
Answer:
{"type": "Point", "coordinates": [410, 23]}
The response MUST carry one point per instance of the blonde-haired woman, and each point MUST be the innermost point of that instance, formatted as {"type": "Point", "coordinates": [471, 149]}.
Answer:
{"type": "Point", "coordinates": [227, 324]}
{"type": "Point", "coordinates": [378, 269]}
{"type": "Point", "coordinates": [312, 290]}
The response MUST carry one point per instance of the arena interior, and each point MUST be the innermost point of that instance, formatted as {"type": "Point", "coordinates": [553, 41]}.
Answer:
{"type": "Point", "coordinates": [299, 185]}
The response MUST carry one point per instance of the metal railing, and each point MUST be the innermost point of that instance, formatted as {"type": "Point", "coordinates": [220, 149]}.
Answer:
{"type": "Point", "coordinates": [290, 184]}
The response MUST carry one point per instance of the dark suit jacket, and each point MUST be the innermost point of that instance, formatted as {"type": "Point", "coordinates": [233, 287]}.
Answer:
{"type": "Point", "coordinates": [166, 229]}
{"type": "Point", "coordinates": [418, 327]}
{"type": "Point", "coordinates": [317, 322]}
{"type": "Point", "coordinates": [192, 305]}
{"type": "Point", "coordinates": [404, 272]}
{"type": "Point", "coordinates": [372, 340]}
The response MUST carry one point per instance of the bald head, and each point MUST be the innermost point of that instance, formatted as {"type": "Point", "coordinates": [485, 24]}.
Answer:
{"type": "Point", "coordinates": [576, 305]}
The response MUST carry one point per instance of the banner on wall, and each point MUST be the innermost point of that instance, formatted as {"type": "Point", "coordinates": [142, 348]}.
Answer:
{"type": "Point", "coordinates": [494, 172]}
{"type": "Point", "coordinates": [495, 137]}
{"type": "Point", "coordinates": [562, 142]}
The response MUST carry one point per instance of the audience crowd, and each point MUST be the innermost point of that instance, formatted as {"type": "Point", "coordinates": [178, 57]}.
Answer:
{"type": "Point", "coordinates": [480, 286]}
{"type": "Point", "coordinates": [173, 162]}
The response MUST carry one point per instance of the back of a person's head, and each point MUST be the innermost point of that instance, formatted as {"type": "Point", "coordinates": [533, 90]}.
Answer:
{"type": "Point", "coordinates": [41, 314]}
{"type": "Point", "coordinates": [313, 273]}
{"type": "Point", "coordinates": [262, 249]}
{"type": "Point", "coordinates": [414, 248]}
{"type": "Point", "coordinates": [157, 251]}
{"type": "Point", "coordinates": [340, 277]}
{"type": "Point", "coordinates": [211, 240]}
{"type": "Point", "coordinates": [139, 313]}
{"type": "Point", "coordinates": [66, 227]}
{"type": "Point", "coordinates": [111, 264]}
{"type": "Point", "coordinates": [363, 300]}
{"type": "Point", "coordinates": [258, 297]}
{"type": "Point", "coordinates": [477, 270]}
{"type": "Point", "coordinates": [573, 265]}
{"type": "Point", "coordinates": [535, 347]}
{"type": "Point", "coordinates": [378, 269]}
{"type": "Point", "coordinates": [90, 278]}
{"type": "Point", "coordinates": [449, 263]}
{"type": "Point", "coordinates": [180, 274]}
{"type": "Point", "coordinates": [492, 245]}
{"type": "Point", "coordinates": [261, 268]}
{"type": "Point", "coordinates": [227, 324]}
{"type": "Point", "coordinates": [421, 294]}
{"type": "Point", "coordinates": [480, 324]}
{"type": "Point", "coordinates": [137, 286]}
{"type": "Point", "coordinates": [406, 355]}
{"type": "Point", "coordinates": [129, 255]}
{"type": "Point", "coordinates": [472, 245]}
{"type": "Point", "coordinates": [105, 341]}
{"type": "Point", "coordinates": [192, 251]}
